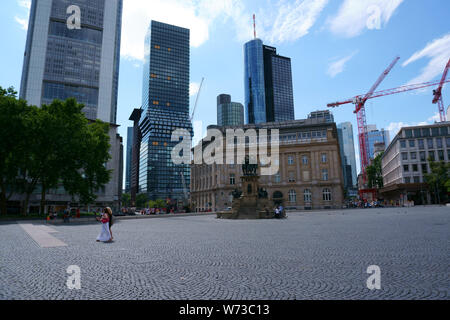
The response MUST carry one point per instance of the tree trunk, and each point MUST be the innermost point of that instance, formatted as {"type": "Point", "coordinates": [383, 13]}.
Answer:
{"type": "Point", "coordinates": [25, 203]}
{"type": "Point", "coordinates": [43, 192]}
{"type": "Point", "coordinates": [3, 203]}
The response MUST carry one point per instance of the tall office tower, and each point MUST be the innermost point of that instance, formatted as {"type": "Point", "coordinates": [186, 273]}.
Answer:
{"type": "Point", "coordinates": [268, 84]}
{"type": "Point", "coordinates": [165, 108]}
{"type": "Point", "coordinates": [324, 114]}
{"type": "Point", "coordinates": [129, 159]}
{"type": "Point", "coordinates": [229, 113]}
{"type": "Point", "coordinates": [376, 136]}
{"type": "Point", "coordinates": [255, 94]}
{"type": "Point", "coordinates": [348, 155]}
{"type": "Point", "coordinates": [61, 63]}
{"type": "Point", "coordinates": [278, 85]}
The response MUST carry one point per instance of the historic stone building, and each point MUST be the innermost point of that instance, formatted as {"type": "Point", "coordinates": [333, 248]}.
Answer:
{"type": "Point", "coordinates": [309, 175]}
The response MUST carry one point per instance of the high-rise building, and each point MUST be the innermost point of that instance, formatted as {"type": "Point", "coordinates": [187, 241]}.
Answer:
{"type": "Point", "coordinates": [278, 85]}
{"type": "Point", "coordinates": [348, 156]}
{"type": "Point", "coordinates": [376, 136]}
{"type": "Point", "coordinates": [268, 84]}
{"type": "Point", "coordinates": [255, 95]}
{"type": "Point", "coordinates": [229, 113]}
{"type": "Point", "coordinates": [129, 159]}
{"type": "Point", "coordinates": [61, 63]}
{"type": "Point", "coordinates": [326, 115]}
{"type": "Point", "coordinates": [165, 108]}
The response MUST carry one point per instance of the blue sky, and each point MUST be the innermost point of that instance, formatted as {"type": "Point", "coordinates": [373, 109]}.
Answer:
{"type": "Point", "coordinates": [338, 49]}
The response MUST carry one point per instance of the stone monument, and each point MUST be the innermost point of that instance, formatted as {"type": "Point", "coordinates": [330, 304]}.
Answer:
{"type": "Point", "coordinates": [252, 202]}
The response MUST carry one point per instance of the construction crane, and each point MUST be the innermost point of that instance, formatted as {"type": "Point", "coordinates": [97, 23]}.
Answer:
{"type": "Point", "coordinates": [196, 99]}
{"type": "Point", "coordinates": [437, 99]}
{"type": "Point", "coordinates": [359, 102]}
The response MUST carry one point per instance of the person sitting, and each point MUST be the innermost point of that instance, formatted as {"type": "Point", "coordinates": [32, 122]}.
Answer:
{"type": "Point", "coordinates": [277, 213]}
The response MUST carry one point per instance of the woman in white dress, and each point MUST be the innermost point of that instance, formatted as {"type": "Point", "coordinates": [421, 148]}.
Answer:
{"type": "Point", "coordinates": [105, 234]}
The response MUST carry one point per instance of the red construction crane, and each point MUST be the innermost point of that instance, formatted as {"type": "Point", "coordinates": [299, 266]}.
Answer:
{"type": "Point", "coordinates": [437, 99]}
{"type": "Point", "coordinates": [360, 111]}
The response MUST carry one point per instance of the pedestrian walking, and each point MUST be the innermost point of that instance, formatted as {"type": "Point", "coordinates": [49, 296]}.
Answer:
{"type": "Point", "coordinates": [108, 211]}
{"type": "Point", "coordinates": [105, 234]}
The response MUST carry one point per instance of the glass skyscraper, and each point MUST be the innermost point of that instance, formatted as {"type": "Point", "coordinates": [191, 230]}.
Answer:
{"type": "Point", "coordinates": [61, 63]}
{"type": "Point", "coordinates": [348, 156]}
{"type": "Point", "coordinates": [165, 108]}
{"type": "Point", "coordinates": [268, 84]}
{"type": "Point", "coordinates": [376, 136]}
{"type": "Point", "coordinates": [278, 84]}
{"type": "Point", "coordinates": [255, 94]}
{"type": "Point", "coordinates": [229, 113]}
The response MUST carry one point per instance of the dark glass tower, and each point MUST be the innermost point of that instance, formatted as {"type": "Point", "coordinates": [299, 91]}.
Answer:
{"type": "Point", "coordinates": [60, 63]}
{"type": "Point", "coordinates": [165, 106]}
{"type": "Point", "coordinates": [278, 85]}
{"type": "Point", "coordinates": [268, 84]}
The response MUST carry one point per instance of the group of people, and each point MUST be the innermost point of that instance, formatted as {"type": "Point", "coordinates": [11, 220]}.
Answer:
{"type": "Point", "coordinates": [280, 212]}
{"type": "Point", "coordinates": [107, 221]}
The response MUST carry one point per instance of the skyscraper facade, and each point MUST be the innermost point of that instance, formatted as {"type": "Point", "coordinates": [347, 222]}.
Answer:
{"type": "Point", "coordinates": [268, 84]}
{"type": "Point", "coordinates": [255, 94]}
{"type": "Point", "coordinates": [61, 63]}
{"type": "Point", "coordinates": [229, 113]}
{"type": "Point", "coordinates": [278, 86]}
{"type": "Point", "coordinates": [129, 158]}
{"type": "Point", "coordinates": [348, 156]}
{"type": "Point", "coordinates": [165, 108]}
{"type": "Point", "coordinates": [376, 136]}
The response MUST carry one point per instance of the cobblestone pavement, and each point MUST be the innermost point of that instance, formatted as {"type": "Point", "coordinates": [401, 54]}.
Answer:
{"type": "Point", "coordinates": [311, 255]}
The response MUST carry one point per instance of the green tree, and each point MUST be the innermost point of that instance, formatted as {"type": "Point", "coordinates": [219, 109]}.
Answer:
{"type": "Point", "coordinates": [161, 204]}
{"type": "Point", "coordinates": [89, 173]}
{"type": "Point", "coordinates": [374, 173]}
{"type": "Point", "coordinates": [438, 179]}
{"type": "Point", "coordinates": [126, 199]}
{"type": "Point", "coordinates": [141, 200]}
{"type": "Point", "coordinates": [14, 132]}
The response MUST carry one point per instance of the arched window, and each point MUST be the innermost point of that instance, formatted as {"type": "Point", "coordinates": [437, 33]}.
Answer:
{"type": "Point", "coordinates": [307, 195]}
{"type": "Point", "coordinates": [326, 194]}
{"type": "Point", "coordinates": [292, 196]}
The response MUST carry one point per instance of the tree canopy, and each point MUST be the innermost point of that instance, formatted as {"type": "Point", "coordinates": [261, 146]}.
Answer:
{"type": "Point", "coordinates": [43, 148]}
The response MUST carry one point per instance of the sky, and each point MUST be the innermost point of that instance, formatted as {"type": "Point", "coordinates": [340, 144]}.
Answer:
{"type": "Point", "coordinates": [338, 49]}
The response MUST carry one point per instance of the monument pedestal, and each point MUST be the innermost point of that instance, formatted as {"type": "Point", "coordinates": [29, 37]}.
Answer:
{"type": "Point", "coordinates": [250, 205]}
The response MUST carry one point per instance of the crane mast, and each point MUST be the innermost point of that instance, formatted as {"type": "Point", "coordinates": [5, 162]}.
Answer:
{"type": "Point", "coordinates": [437, 94]}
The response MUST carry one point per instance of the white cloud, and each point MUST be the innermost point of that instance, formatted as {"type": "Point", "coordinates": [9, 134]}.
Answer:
{"type": "Point", "coordinates": [338, 66]}
{"type": "Point", "coordinates": [25, 3]}
{"type": "Point", "coordinates": [438, 51]}
{"type": "Point", "coordinates": [288, 21]}
{"type": "Point", "coordinates": [196, 15]}
{"type": "Point", "coordinates": [277, 22]}
{"type": "Point", "coordinates": [22, 22]}
{"type": "Point", "coordinates": [394, 127]}
{"type": "Point", "coordinates": [194, 87]}
{"type": "Point", "coordinates": [354, 16]}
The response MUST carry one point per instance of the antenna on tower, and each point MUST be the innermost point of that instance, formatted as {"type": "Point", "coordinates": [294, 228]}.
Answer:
{"type": "Point", "coordinates": [254, 26]}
